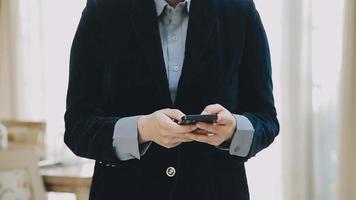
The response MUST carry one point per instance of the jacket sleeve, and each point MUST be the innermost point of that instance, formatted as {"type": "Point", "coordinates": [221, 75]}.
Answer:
{"type": "Point", "coordinates": [88, 131]}
{"type": "Point", "coordinates": [255, 100]}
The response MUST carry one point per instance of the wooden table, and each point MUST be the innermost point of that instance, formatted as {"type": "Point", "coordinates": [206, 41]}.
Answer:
{"type": "Point", "coordinates": [75, 178]}
{"type": "Point", "coordinates": [70, 178]}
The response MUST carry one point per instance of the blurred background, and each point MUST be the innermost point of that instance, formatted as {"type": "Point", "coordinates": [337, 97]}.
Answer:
{"type": "Point", "coordinates": [313, 48]}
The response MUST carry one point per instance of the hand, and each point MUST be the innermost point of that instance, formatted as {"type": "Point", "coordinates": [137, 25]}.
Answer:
{"type": "Point", "coordinates": [160, 128]}
{"type": "Point", "coordinates": [217, 133]}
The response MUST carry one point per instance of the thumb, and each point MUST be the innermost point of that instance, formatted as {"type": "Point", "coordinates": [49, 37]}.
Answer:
{"type": "Point", "coordinates": [173, 113]}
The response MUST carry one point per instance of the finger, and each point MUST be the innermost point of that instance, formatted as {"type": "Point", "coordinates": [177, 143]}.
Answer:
{"type": "Point", "coordinates": [173, 113]}
{"type": "Point", "coordinates": [172, 126]}
{"type": "Point", "coordinates": [201, 131]}
{"type": "Point", "coordinates": [212, 128]}
{"type": "Point", "coordinates": [209, 139]}
{"type": "Point", "coordinates": [224, 117]}
{"type": "Point", "coordinates": [213, 109]}
{"type": "Point", "coordinates": [170, 135]}
{"type": "Point", "coordinates": [204, 112]}
{"type": "Point", "coordinates": [175, 128]}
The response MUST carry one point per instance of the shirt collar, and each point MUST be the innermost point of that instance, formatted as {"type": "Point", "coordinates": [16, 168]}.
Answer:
{"type": "Point", "coordinates": [161, 4]}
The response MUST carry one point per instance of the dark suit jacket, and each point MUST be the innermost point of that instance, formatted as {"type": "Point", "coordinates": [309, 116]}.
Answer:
{"type": "Point", "coordinates": [117, 70]}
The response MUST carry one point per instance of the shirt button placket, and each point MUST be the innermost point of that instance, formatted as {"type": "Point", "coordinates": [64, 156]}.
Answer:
{"type": "Point", "coordinates": [174, 37]}
{"type": "Point", "coordinates": [176, 68]}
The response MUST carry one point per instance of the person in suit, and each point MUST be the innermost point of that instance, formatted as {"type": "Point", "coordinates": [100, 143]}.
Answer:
{"type": "Point", "coordinates": [138, 65]}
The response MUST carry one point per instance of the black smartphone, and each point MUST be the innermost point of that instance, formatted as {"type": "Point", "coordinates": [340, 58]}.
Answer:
{"type": "Point", "coordinates": [193, 119]}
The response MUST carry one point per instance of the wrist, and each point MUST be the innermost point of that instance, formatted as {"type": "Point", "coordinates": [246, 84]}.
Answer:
{"type": "Point", "coordinates": [143, 137]}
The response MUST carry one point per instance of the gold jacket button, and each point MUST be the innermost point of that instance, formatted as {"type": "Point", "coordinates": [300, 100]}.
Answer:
{"type": "Point", "coordinates": [170, 171]}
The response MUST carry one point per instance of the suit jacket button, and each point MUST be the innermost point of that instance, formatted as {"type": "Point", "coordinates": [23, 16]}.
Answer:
{"type": "Point", "coordinates": [170, 171]}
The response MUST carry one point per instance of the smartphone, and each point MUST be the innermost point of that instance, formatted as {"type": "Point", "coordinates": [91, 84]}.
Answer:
{"type": "Point", "coordinates": [193, 119]}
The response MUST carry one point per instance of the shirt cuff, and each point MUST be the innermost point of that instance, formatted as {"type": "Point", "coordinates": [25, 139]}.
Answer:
{"type": "Point", "coordinates": [125, 139]}
{"type": "Point", "coordinates": [241, 142]}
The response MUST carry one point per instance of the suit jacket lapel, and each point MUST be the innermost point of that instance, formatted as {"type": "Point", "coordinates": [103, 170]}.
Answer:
{"type": "Point", "coordinates": [145, 22]}
{"type": "Point", "coordinates": [202, 23]}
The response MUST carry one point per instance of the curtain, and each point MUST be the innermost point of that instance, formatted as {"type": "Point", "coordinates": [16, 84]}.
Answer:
{"type": "Point", "coordinates": [8, 59]}
{"type": "Point", "coordinates": [21, 63]}
{"type": "Point", "coordinates": [296, 110]}
{"type": "Point", "coordinates": [309, 75]}
{"type": "Point", "coordinates": [35, 40]}
{"type": "Point", "coordinates": [347, 134]}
